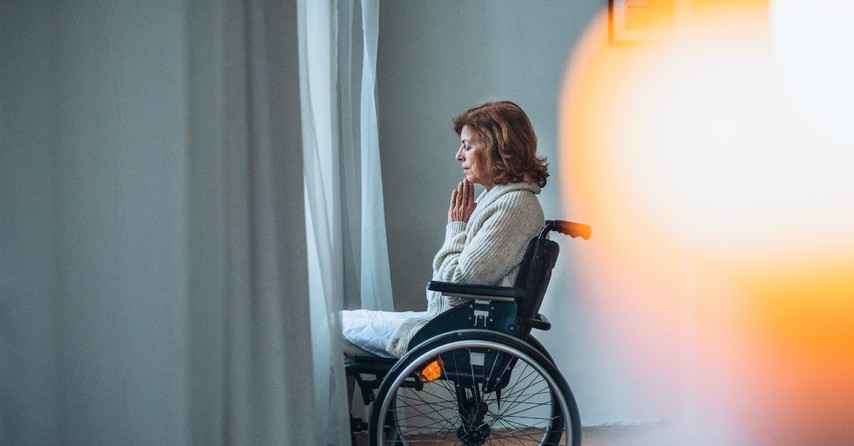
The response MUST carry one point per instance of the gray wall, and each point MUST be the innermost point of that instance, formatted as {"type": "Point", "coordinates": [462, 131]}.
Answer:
{"type": "Point", "coordinates": [437, 58]}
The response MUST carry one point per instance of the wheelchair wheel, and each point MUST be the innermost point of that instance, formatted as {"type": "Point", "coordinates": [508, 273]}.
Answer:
{"type": "Point", "coordinates": [471, 388]}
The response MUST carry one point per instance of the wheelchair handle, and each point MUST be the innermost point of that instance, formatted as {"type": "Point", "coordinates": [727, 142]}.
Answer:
{"type": "Point", "coordinates": [569, 228]}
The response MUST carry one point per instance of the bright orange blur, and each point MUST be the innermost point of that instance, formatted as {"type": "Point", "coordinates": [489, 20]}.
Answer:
{"type": "Point", "coordinates": [723, 202]}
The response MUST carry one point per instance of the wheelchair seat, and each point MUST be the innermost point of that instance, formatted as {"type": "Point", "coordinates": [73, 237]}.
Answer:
{"type": "Point", "coordinates": [474, 374]}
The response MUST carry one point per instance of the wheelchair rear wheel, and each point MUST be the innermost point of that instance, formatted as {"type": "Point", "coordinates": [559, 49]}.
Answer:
{"type": "Point", "coordinates": [471, 388]}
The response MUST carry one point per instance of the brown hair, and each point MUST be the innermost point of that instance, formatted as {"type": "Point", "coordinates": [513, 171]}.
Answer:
{"type": "Point", "coordinates": [505, 130]}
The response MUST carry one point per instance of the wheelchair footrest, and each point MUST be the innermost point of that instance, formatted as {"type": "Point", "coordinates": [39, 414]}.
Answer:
{"type": "Point", "coordinates": [374, 369]}
{"type": "Point", "coordinates": [369, 364]}
{"type": "Point", "coordinates": [358, 425]}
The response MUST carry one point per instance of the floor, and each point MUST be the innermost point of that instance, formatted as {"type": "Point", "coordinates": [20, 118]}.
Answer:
{"type": "Point", "coordinates": [607, 436]}
{"type": "Point", "coordinates": [625, 436]}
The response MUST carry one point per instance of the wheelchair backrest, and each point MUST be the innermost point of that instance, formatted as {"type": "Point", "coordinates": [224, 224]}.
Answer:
{"type": "Point", "coordinates": [535, 273]}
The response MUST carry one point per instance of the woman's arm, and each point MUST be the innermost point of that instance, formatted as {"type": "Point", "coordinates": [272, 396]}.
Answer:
{"type": "Point", "coordinates": [487, 248]}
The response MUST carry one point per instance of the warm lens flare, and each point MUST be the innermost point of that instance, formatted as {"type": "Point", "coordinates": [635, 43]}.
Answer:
{"type": "Point", "coordinates": [716, 167]}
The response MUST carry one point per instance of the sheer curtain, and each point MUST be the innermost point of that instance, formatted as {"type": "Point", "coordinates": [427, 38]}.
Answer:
{"type": "Point", "coordinates": [286, 219]}
{"type": "Point", "coordinates": [343, 177]}
{"type": "Point", "coordinates": [348, 258]}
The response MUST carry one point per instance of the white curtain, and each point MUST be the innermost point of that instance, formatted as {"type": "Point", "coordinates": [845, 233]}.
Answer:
{"type": "Point", "coordinates": [348, 258]}
{"type": "Point", "coordinates": [375, 275]}
{"type": "Point", "coordinates": [285, 158]}
{"type": "Point", "coordinates": [343, 177]}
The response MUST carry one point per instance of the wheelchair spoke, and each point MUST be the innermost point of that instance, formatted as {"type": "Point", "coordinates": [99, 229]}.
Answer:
{"type": "Point", "coordinates": [425, 410]}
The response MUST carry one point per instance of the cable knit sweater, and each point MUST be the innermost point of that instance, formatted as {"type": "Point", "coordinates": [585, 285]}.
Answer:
{"type": "Point", "coordinates": [486, 251]}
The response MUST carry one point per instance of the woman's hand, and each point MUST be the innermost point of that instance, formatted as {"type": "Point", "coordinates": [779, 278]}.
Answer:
{"type": "Point", "coordinates": [462, 202]}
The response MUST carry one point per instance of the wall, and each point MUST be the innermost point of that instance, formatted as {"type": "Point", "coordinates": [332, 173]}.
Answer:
{"type": "Point", "coordinates": [437, 58]}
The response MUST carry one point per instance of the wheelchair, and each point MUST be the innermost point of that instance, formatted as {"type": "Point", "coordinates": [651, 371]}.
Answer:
{"type": "Point", "coordinates": [475, 375]}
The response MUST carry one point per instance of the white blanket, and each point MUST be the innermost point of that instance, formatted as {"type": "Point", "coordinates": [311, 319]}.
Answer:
{"type": "Point", "coordinates": [372, 330]}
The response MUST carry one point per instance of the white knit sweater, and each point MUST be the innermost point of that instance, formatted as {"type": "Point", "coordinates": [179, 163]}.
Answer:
{"type": "Point", "coordinates": [486, 251]}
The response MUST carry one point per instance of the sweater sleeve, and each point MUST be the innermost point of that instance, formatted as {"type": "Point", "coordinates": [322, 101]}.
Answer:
{"type": "Point", "coordinates": [486, 249]}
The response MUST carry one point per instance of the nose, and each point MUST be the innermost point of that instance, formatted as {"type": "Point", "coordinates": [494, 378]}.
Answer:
{"type": "Point", "coordinates": [459, 155]}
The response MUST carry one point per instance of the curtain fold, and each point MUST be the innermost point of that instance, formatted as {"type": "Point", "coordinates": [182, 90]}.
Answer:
{"type": "Point", "coordinates": [375, 273]}
{"type": "Point", "coordinates": [251, 346]}
{"type": "Point", "coordinates": [348, 261]}
{"type": "Point", "coordinates": [322, 213]}
{"type": "Point", "coordinates": [366, 274]}
{"type": "Point", "coordinates": [286, 218]}
{"type": "Point", "coordinates": [186, 208]}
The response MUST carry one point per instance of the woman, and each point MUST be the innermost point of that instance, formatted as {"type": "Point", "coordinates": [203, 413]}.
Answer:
{"type": "Point", "coordinates": [485, 239]}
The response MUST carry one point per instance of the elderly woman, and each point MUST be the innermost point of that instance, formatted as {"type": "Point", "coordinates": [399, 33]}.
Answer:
{"type": "Point", "coordinates": [485, 239]}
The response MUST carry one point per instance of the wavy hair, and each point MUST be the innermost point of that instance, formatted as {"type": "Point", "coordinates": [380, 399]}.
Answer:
{"type": "Point", "coordinates": [512, 144]}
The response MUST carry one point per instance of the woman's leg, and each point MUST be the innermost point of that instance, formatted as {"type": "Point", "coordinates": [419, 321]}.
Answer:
{"type": "Point", "coordinates": [370, 331]}
{"type": "Point", "coordinates": [352, 350]}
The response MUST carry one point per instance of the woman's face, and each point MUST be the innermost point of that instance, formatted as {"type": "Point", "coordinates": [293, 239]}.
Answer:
{"type": "Point", "coordinates": [472, 155]}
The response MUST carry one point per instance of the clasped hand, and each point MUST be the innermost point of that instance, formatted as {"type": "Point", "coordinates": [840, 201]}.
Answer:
{"type": "Point", "coordinates": [462, 202]}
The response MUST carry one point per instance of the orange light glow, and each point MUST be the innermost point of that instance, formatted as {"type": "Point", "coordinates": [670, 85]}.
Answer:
{"type": "Point", "coordinates": [716, 169]}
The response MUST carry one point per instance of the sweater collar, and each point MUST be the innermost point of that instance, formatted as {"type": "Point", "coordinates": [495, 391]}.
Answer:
{"type": "Point", "coordinates": [487, 197]}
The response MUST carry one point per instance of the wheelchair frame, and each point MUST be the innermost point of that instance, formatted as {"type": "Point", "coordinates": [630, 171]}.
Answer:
{"type": "Point", "coordinates": [468, 362]}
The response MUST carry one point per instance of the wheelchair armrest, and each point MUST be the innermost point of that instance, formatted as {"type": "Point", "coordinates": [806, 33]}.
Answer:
{"type": "Point", "coordinates": [540, 322]}
{"type": "Point", "coordinates": [486, 292]}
